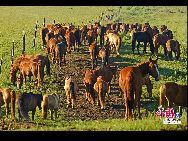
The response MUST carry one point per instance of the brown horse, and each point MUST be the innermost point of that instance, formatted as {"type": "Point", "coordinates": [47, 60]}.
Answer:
{"type": "Point", "coordinates": [28, 102]}
{"type": "Point", "coordinates": [60, 52]}
{"type": "Point", "coordinates": [104, 54]}
{"type": "Point", "coordinates": [50, 101]}
{"type": "Point", "coordinates": [29, 69]}
{"type": "Point", "coordinates": [89, 81]}
{"type": "Point", "coordinates": [131, 80]}
{"type": "Point", "coordinates": [28, 58]}
{"type": "Point", "coordinates": [173, 45]}
{"type": "Point", "coordinates": [7, 96]}
{"type": "Point", "coordinates": [94, 52]}
{"type": "Point", "coordinates": [175, 94]}
{"type": "Point", "coordinates": [101, 89]}
{"type": "Point", "coordinates": [71, 88]}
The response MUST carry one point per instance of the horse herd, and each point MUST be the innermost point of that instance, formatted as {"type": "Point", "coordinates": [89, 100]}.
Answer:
{"type": "Point", "coordinates": [58, 39]}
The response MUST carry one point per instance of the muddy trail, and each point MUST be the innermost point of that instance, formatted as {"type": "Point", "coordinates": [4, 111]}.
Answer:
{"type": "Point", "coordinates": [76, 65]}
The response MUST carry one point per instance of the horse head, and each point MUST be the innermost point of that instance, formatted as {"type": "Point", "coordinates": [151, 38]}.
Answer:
{"type": "Point", "coordinates": [153, 69]}
{"type": "Point", "coordinates": [39, 100]}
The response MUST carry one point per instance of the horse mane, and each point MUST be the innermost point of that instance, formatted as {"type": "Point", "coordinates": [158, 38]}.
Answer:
{"type": "Point", "coordinates": [144, 67]}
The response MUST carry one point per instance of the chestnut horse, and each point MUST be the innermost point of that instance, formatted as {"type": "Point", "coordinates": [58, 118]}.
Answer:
{"type": "Point", "coordinates": [50, 101]}
{"type": "Point", "coordinates": [89, 81]}
{"type": "Point", "coordinates": [131, 79]}
{"type": "Point", "coordinates": [94, 52]}
{"type": "Point", "coordinates": [173, 45]}
{"type": "Point", "coordinates": [7, 96]}
{"type": "Point", "coordinates": [71, 88]}
{"type": "Point", "coordinates": [175, 94]}
{"type": "Point", "coordinates": [104, 54]}
{"type": "Point", "coordinates": [28, 102]}
{"type": "Point", "coordinates": [101, 89]}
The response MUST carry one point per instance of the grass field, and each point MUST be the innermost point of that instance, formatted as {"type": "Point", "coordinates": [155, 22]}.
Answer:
{"type": "Point", "coordinates": [13, 19]}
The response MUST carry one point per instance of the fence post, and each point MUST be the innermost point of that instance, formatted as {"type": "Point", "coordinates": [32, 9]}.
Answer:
{"type": "Point", "coordinates": [13, 48]}
{"type": "Point", "coordinates": [44, 22]}
{"type": "Point", "coordinates": [1, 65]}
{"type": "Point", "coordinates": [23, 50]}
{"type": "Point", "coordinates": [34, 41]}
{"type": "Point", "coordinates": [11, 57]}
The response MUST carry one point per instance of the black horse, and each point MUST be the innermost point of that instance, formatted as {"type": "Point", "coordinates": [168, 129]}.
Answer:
{"type": "Point", "coordinates": [142, 36]}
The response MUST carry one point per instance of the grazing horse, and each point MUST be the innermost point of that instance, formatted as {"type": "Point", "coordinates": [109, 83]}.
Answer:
{"type": "Point", "coordinates": [114, 40]}
{"type": "Point", "coordinates": [29, 69]}
{"type": "Point", "coordinates": [28, 102]}
{"type": "Point", "coordinates": [104, 54]}
{"type": "Point", "coordinates": [101, 89]}
{"type": "Point", "coordinates": [131, 79]}
{"type": "Point", "coordinates": [173, 45]}
{"type": "Point", "coordinates": [89, 80]}
{"type": "Point", "coordinates": [7, 96]}
{"type": "Point", "coordinates": [94, 52]}
{"type": "Point", "coordinates": [71, 88]}
{"type": "Point", "coordinates": [50, 101]}
{"type": "Point", "coordinates": [175, 94]}
{"type": "Point", "coordinates": [141, 36]}
{"type": "Point", "coordinates": [28, 58]}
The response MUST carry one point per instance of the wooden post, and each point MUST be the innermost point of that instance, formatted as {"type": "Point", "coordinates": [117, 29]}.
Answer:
{"type": "Point", "coordinates": [34, 41]}
{"type": "Point", "coordinates": [35, 32]}
{"type": "Point", "coordinates": [23, 50]}
{"type": "Point", "coordinates": [0, 68]}
{"type": "Point", "coordinates": [11, 58]}
{"type": "Point", "coordinates": [36, 25]}
{"type": "Point", "coordinates": [54, 22]}
{"type": "Point", "coordinates": [13, 48]}
{"type": "Point", "coordinates": [44, 22]}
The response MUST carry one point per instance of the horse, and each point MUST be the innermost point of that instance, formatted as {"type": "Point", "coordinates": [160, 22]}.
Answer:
{"type": "Point", "coordinates": [160, 39]}
{"type": "Point", "coordinates": [94, 52]}
{"type": "Point", "coordinates": [173, 45]}
{"type": "Point", "coordinates": [43, 32]}
{"type": "Point", "coordinates": [107, 73]}
{"type": "Point", "coordinates": [104, 54]}
{"type": "Point", "coordinates": [91, 36]}
{"type": "Point", "coordinates": [7, 96]}
{"type": "Point", "coordinates": [28, 102]}
{"type": "Point", "coordinates": [29, 69]}
{"type": "Point", "coordinates": [114, 40]}
{"type": "Point", "coordinates": [101, 88]}
{"type": "Point", "coordinates": [142, 36]}
{"type": "Point", "coordinates": [28, 58]}
{"type": "Point", "coordinates": [60, 52]}
{"type": "Point", "coordinates": [175, 94]}
{"type": "Point", "coordinates": [71, 88]}
{"type": "Point", "coordinates": [131, 79]}
{"type": "Point", "coordinates": [89, 80]}
{"type": "Point", "coordinates": [50, 101]}
{"type": "Point", "coordinates": [70, 38]}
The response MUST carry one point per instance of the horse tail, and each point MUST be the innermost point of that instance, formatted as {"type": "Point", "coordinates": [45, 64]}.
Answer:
{"type": "Point", "coordinates": [44, 107]}
{"type": "Point", "coordinates": [162, 95]}
{"type": "Point", "coordinates": [21, 107]}
{"type": "Point", "coordinates": [72, 92]}
{"type": "Point", "coordinates": [130, 93]}
{"type": "Point", "coordinates": [13, 99]}
{"type": "Point", "coordinates": [47, 63]}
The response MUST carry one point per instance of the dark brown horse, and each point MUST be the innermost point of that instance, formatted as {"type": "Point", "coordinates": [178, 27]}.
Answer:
{"type": "Point", "coordinates": [175, 94]}
{"type": "Point", "coordinates": [104, 54]}
{"type": "Point", "coordinates": [173, 46]}
{"type": "Point", "coordinates": [131, 80]}
{"type": "Point", "coordinates": [7, 96]}
{"type": "Point", "coordinates": [28, 102]}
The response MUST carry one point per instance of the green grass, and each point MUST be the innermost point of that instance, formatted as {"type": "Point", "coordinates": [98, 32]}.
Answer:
{"type": "Point", "coordinates": [13, 19]}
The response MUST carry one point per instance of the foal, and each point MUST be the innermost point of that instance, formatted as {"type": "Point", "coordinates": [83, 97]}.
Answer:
{"type": "Point", "coordinates": [131, 80]}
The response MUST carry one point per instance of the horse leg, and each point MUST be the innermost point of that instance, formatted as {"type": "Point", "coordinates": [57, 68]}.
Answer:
{"type": "Point", "coordinates": [55, 113]}
{"type": "Point", "coordinates": [138, 101]}
{"type": "Point", "coordinates": [101, 99]}
{"type": "Point", "coordinates": [33, 113]}
{"type": "Point", "coordinates": [117, 51]}
{"type": "Point", "coordinates": [133, 46]}
{"type": "Point", "coordinates": [7, 108]}
{"type": "Point", "coordinates": [138, 47]}
{"type": "Point", "coordinates": [24, 77]}
{"type": "Point", "coordinates": [51, 114]}
{"type": "Point", "coordinates": [144, 51]}
{"type": "Point", "coordinates": [165, 50]}
{"type": "Point", "coordinates": [180, 110]}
